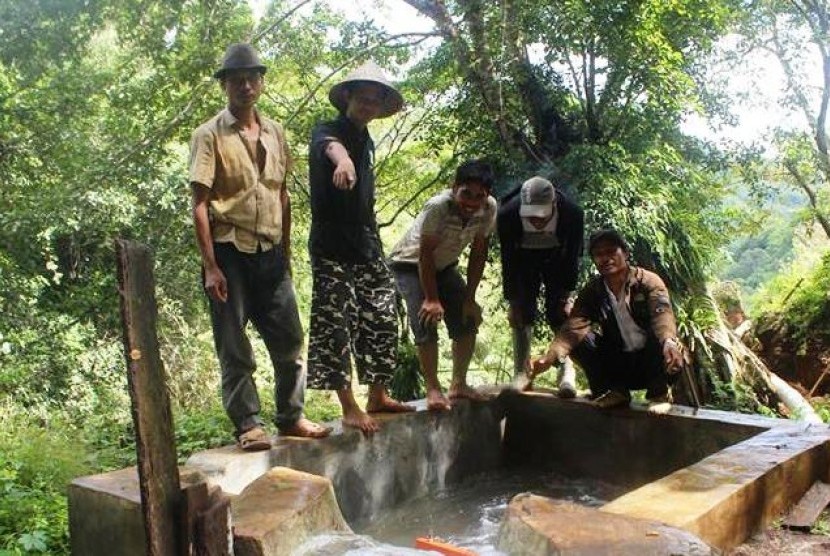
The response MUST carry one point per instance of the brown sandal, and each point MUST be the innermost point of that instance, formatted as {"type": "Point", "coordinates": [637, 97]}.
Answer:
{"type": "Point", "coordinates": [254, 440]}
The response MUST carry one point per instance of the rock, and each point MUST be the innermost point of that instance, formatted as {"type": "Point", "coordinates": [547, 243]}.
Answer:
{"type": "Point", "coordinates": [280, 510]}
{"type": "Point", "coordinates": [535, 525]}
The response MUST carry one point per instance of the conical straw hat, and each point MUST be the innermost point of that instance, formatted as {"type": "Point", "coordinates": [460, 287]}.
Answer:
{"type": "Point", "coordinates": [369, 72]}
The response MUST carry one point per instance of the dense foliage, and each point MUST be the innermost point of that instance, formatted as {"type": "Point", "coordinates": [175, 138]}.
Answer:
{"type": "Point", "coordinates": [97, 101]}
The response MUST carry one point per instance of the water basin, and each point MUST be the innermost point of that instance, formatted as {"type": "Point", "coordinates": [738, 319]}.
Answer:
{"type": "Point", "coordinates": [467, 514]}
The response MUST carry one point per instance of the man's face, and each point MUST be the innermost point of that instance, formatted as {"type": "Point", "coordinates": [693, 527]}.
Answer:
{"type": "Point", "coordinates": [242, 87]}
{"type": "Point", "coordinates": [364, 102]}
{"type": "Point", "coordinates": [609, 258]}
{"type": "Point", "coordinates": [469, 197]}
{"type": "Point", "coordinates": [539, 222]}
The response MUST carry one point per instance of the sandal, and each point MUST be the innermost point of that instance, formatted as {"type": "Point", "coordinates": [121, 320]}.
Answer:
{"type": "Point", "coordinates": [254, 440]}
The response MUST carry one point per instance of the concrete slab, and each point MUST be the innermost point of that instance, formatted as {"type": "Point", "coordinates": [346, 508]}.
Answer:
{"type": "Point", "coordinates": [727, 496]}
{"type": "Point", "coordinates": [541, 526]}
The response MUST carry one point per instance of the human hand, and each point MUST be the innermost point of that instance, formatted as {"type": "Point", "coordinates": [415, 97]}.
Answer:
{"type": "Point", "coordinates": [566, 304]}
{"type": "Point", "coordinates": [344, 176]}
{"type": "Point", "coordinates": [539, 365]}
{"type": "Point", "coordinates": [471, 310]}
{"type": "Point", "coordinates": [216, 285]}
{"type": "Point", "coordinates": [672, 356]}
{"type": "Point", "coordinates": [431, 313]}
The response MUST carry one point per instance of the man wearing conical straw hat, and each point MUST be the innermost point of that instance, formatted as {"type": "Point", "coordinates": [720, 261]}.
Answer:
{"type": "Point", "coordinates": [353, 311]}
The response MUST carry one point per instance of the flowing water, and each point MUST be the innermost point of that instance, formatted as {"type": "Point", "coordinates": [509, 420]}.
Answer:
{"type": "Point", "coordinates": [467, 515]}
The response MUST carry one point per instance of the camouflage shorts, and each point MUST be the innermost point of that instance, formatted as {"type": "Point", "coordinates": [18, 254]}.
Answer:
{"type": "Point", "coordinates": [353, 313]}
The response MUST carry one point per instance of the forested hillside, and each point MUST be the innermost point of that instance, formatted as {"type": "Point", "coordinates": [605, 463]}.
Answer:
{"type": "Point", "coordinates": [98, 99]}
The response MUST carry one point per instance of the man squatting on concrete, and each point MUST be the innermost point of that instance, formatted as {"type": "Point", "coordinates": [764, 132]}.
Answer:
{"type": "Point", "coordinates": [242, 215]}
{"type": "Point", "coordinates": [541, 234]}
{"type": "Point", "coordinates": [353, 309]}
{"type": "Point", "coordinates": [637, 347]}
{"type": "Point", "coordinates": [425, 264]}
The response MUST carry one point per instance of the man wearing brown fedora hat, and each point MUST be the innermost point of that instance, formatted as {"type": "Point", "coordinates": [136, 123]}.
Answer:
{"type": "Point", "coordinates": [242, 215]}
{"type": "Point", "coordinates": [353, 308]}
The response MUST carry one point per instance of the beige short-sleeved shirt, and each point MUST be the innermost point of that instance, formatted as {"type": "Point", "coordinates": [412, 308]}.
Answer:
{"type": "Point", "coordinates": [245, 207]}
{"type": "Point", "coordinates": [441, 217]}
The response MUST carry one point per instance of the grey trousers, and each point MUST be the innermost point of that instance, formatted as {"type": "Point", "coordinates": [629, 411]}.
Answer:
{"type": "Point", "coordinates": [261, 291]}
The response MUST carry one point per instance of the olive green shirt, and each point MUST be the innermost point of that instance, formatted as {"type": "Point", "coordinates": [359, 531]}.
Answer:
{"type": "Point", "coordinates": [244, 180]}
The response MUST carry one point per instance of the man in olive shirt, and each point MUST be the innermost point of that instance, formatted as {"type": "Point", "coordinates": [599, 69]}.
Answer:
{"type": "Point", "coordinates": [241, 212]}
{"type": "Point", "coordinates": [637, 346]}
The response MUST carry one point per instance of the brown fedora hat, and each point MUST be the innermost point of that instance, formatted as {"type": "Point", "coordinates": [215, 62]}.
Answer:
{"type": "Point", "coordinates": [369, 72]}
{"type": "Point", "coordinates": [239, 56]}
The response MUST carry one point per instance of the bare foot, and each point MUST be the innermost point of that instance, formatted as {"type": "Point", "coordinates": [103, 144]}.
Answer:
{"type": "Point", "coordinates": [466, 392]}
{"type": "Point", "coordinates": [437, 401]}
{"type": "Point", "coordinates": [388, 405]}
{"type": "Point", "coordinates": [305, 429]}
{"type": "Point", "coordinates": [358, 419]}
{"type": "Point", "coordinates": [381, 402]}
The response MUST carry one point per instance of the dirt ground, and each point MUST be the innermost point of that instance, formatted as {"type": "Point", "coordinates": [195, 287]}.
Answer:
{"type": "Point", "coordinates": [783, 542]}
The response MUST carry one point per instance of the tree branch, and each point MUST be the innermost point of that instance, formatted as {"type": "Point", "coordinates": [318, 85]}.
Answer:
{"type": "Point", "coordinates": [451, 162]}
{"type": "Point", "coordinates": [811, 195]}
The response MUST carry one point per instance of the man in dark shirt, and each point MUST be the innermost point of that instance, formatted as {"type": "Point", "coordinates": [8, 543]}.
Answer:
{"type": "Point", "coordinates": [541, 233]}
{"type": "Point", "coordinates": [353, 310]}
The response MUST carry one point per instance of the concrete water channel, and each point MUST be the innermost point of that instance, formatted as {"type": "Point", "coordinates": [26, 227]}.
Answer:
{"type": "Point", "coordinates": [683, 483]}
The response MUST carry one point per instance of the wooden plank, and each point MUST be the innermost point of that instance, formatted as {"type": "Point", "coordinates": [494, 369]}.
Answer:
{"type": "Point", "coordinates": [213, 528]}
{"type": "Point", "coordinates": [158, 471]}
{"type": "Point", "coordinates": [804, 514]}
{"type": "Point", "coordinates": [194, 501]}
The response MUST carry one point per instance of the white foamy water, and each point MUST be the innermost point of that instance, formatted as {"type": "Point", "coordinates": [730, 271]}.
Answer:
{"type": "Point", "coordinates": [466, 515]}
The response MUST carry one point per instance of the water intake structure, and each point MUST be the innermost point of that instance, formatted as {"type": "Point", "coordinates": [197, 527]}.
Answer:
{"type": "Point", "coordinates": [522, 474]}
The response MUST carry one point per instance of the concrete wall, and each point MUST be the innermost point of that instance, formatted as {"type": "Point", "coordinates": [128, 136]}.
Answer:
{"type": "Point", "coordinates": [411, 455]}
{"type": "Point", "coordinates": [623, 447]}
{"type": "Point", "coordinates": [715, 474]}
{"type": "Point", "coordinates": [718, 475]}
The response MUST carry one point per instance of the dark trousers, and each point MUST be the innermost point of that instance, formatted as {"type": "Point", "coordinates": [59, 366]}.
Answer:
{"type": "Point", "coordinates": [260, 290]}
{"type": "Point", "coordinates": [613, 369]}
{"type": "Point", "coordinates": [451, 291]}
{"type": "Point", "coordinates": [537, 267]}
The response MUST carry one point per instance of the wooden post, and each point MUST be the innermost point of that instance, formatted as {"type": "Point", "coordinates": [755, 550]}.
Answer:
{"type": "Point", "coordinates": [158, 470]}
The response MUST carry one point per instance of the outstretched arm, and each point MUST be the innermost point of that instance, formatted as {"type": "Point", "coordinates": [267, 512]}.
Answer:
{"type": "Point", "coordinates": [344, 176]}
